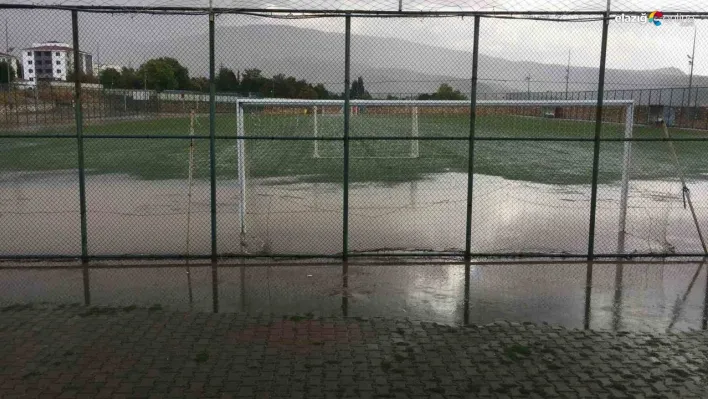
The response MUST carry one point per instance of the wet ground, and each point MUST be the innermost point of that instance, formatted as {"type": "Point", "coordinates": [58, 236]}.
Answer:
{"type": "Point", "coordinates": [39, 215]}
{"type": "Point", "coordinates": [647, 297]}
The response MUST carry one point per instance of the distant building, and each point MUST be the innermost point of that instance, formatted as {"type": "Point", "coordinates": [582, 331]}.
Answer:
{"type": "Point", "coordinates": [52, 61]}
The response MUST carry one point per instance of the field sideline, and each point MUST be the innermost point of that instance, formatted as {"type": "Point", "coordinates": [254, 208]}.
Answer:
{"type": "Point", "coordinates": [534, 161]}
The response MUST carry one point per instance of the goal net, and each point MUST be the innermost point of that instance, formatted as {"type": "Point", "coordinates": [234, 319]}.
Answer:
{"type": "Point", "coordinates": [400, 123]}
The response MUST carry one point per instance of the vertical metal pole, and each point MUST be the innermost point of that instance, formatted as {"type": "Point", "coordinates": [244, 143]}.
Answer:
{"type": "Point", "coordinates": [705, 305]}
{"type": "Point", "coordinates": [347, 78]}
{"type": "Point", "coordinates": [470, 139]}
{"type": "Point", "coordinates": [212, 165]}
{"type": "Point", "coordinates": [626, 164]}
{"type": "Point", "coordinates": [80, 140]}
{"type": "Point", "coordinates": [598, 132]}
{"type": "Point", "coordinates": [595, 166]}
{"type": "Point", "coordinates": [241, 166]}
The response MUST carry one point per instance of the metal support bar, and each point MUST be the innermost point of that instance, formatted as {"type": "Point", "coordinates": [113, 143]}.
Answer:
{"type": "Point", "coordinates": [684, 187]}
{"type": "Point", "coordinates": [80, 141]}
{"type": "Point", "coordinates": [470, 142]}
{"type": "Point", "coordinates": [598, 132]}
{"type": "Point", "coordinates": [347, 83]}
{"type": "Point", "coordinates": [212, 165]}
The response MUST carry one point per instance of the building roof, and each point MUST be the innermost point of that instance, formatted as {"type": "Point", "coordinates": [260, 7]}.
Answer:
{"type": "Point", "coordinates": [49, 48]}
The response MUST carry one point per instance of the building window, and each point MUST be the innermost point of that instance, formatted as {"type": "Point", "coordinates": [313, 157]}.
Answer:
{"type": "Point", "coordinates": [58, 62]}
{"type": "Point", "coordinates": [29, 62]}
{"type": "Point", "coordinates": [29, 53]}
{"type": "Point", "coordinates": [39, 62]}
{"type": "Point", "coordinates": [31, 70]}
{"type": "Point", "coordinates": [59, 71]}
{"type": "Point", "coordinates": [31, 79]}
{"type": "Point", "coordinates": [57, 54]}
{"type": "Point", "coordinates": [48, 53]}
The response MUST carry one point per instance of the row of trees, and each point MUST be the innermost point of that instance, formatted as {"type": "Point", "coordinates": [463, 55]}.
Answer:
{"type": "Point", "coordinates": [167, 73]}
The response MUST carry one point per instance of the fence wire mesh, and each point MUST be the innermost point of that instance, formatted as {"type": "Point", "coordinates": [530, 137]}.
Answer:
{"type": "Point", "coordinates": [166, 175]}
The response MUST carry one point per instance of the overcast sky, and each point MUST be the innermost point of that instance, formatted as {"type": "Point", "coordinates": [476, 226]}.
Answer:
{"type": "Point", "coordinates": [630, 45]}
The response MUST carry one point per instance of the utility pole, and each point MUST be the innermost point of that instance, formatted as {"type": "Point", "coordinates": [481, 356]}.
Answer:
{"type": "Point", "coordinates": [9, 59]}
{"type": "Point", "coordinates": [528, 87]}
{"type": "Point", "coordinates": [691, 62]}
{"type": "Point", "coordinates": [567, 75]}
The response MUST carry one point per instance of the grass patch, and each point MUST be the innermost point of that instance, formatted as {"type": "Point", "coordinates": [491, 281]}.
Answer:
{"type": "Point", "coordinates": [536, 161]}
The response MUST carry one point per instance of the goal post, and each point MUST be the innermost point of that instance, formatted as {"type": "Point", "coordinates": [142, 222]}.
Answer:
{"type": "Point", "coordinates": [410, 131]}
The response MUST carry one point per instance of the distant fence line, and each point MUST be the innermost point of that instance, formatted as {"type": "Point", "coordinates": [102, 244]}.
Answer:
{"type": "Point", "coordinates": [53, 103]}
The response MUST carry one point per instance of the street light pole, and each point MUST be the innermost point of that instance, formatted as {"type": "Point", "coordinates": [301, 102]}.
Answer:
{"type": "Point", "coordinates": [7, 50]}
{"type": "Point", "coordinates": [567, 76]}
{"type": "Point", "coordinates": [691, 62]}
{"type": "Point", "coordinates": [528, 87]}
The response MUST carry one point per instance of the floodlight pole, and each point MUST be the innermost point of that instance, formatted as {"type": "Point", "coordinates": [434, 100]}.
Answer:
{"type": "Point", "coordinates": [80, 140]}
{"type": "Point", "coordinates": [692, 62]}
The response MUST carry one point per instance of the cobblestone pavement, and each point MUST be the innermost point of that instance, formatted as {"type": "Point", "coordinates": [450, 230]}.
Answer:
{"type": "Point", "coordinates": [69, 352]}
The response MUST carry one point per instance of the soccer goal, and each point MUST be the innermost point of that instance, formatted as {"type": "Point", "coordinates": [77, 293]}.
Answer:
{"type": "Point", "coordinates": [417, 134]}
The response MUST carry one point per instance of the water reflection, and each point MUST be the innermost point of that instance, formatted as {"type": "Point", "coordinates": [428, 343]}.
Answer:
{"type": "Point", "coordinates": [620, 296]}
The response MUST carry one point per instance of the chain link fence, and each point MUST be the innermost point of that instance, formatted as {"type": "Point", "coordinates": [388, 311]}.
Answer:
{"type": "Point", "coordinates": [343, 130]}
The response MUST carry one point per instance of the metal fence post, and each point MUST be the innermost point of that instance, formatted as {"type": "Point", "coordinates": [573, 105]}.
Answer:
{"type": "Point", "coordinates": [470, 141]}
{"type": "Point", "coordinates": [80, 141]}
{"type": "Point", "coordinates": [212, 165]}
{"type": "Point", "coordinates": [595, 169]}
{"type": "Point", "coordinates": [347, 78]}
{"type": "Point", "coordinates": [598, 132]}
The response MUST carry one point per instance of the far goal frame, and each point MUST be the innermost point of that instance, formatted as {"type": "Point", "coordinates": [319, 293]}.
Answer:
{"type": "Point", "coordinates": [416, 104]}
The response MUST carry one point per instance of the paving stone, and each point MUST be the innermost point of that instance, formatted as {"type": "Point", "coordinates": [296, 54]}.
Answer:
{"type": "Point", "coordinates": [164, 354]}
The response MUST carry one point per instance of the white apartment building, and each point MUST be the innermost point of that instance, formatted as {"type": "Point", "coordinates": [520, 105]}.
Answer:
{"type": "Point", "coordinates": [52, 61]}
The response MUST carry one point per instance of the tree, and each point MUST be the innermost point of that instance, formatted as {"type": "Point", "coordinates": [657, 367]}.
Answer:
{"type": "Point", "coordinates": [164, 74]}
{"type": "Point", "coordinates": [226, 80]}
{"type": "Point", "coordinates": [445, 92]}
{"type": "Point", "coordinates": [158, 75]}
{"type": "Point", "coordinates": [358, 91]}
{"type": "Point", "coordinates": [4, 65]}
{"type": "Point", "coordinates": [129, 79]}
{"type": "Point", "coordinates": [252, 81]}
{"type": "Point", "coordinates": [83, 77]}
{"type": "Point", "coordinates": [199, 84]}
{"type": "Point", "coordinates": [181, 72]}
{"type": "Point", "coordinates": [110, 78]}
{"type": "Point", "coordinates": [322, 92]}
